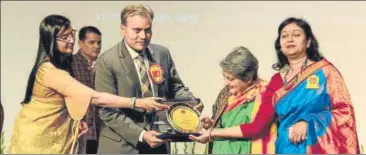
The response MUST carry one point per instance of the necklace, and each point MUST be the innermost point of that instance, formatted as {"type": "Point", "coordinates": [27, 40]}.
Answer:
{"type": "Point", "coordinates": [297, 75]}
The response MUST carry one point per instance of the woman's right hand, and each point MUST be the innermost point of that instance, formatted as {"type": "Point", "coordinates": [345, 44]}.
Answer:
{"type": "Point", "coordinates": [203, 138]}
{"type": "Point", "coordinates": [150, 104]}
{"type": "Point", "coordinates": [206, 122]}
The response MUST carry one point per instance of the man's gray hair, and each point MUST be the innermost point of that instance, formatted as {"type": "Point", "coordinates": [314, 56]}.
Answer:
{"type": "Point", "coordinates": [241, 63]}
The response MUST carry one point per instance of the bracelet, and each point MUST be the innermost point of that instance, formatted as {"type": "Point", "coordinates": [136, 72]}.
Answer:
{"type": "Point", "coordinates": [133, 102]}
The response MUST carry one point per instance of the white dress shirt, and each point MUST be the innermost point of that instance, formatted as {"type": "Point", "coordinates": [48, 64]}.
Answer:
{"type": "Point", "coordinates": [137, 62]}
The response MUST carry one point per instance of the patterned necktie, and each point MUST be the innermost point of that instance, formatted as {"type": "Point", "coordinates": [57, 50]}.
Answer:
{"type": "Point", "coordinates": [145, 83]}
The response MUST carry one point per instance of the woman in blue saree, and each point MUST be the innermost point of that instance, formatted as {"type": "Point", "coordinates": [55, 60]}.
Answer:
{"type": "Point", "coordinates": [310, 98]}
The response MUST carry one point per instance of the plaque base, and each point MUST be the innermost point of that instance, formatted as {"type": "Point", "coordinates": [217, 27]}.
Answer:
{"type": "Point", "coordinates": [177, 137]}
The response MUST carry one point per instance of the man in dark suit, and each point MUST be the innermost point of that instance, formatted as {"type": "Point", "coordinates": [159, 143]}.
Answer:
{"type": "Point", "coordinates": [135, 68]}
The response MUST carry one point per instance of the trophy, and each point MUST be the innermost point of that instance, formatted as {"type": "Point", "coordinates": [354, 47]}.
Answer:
{"type": "Point", "coordinates": [179, 121]}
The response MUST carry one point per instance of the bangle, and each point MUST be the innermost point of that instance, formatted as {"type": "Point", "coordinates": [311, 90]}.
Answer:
{"type": "Point", "coordinates": [209, 135]}
{"type": "Point", "coordinates": [133, 102]}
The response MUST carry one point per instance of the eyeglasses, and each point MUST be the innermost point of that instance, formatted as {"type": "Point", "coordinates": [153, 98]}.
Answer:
{"type": "Point", "coordinates": [67, 37]}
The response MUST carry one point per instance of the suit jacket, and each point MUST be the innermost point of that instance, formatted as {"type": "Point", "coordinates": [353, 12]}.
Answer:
{"type": "Point", "coordinates": [116, 74]}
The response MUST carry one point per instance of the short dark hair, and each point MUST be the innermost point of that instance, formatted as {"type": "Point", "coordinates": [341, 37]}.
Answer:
{"type": "Point", "coordinates": [312, 52]}
{"type": "Point", "coordinates": [88, 29]}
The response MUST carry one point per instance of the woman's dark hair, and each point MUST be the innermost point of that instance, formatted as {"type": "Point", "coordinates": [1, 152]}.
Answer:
{"type": "Point", "coordinates": [1, 117]}
{"type": "Point", "coordinates": [313, 50]}
{"type": "Point", "coordinates": [48, 30]}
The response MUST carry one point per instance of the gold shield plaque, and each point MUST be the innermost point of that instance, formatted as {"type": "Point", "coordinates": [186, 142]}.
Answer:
{"type": "Point", "coordinates": [184, 118]}
{"type": "Point", "coordinates": [179, 121]}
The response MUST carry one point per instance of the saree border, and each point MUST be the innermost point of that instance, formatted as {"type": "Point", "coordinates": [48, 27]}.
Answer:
{"type": "Point", "coordinates": [284, 90]}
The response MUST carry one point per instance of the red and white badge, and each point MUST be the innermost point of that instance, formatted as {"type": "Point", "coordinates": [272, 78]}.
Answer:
{"type": "Point", "coordinates": [156, 73]}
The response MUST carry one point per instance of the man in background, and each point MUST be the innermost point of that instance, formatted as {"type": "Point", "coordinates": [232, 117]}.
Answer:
{"type": "Point", "coordinates": [90, 40]}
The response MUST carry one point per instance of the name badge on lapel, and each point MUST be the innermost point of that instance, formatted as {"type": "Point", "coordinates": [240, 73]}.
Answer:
{"type": "Point", "coordinates": [312, 82]}
{"type": "Point", "coordinates": [156, 72]}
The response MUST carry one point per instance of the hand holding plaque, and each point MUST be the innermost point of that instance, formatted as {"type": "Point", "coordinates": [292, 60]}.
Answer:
{"type": "Point", "coordinates": [181, 119]}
